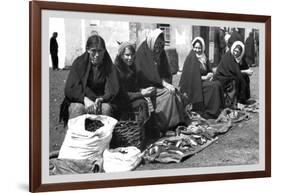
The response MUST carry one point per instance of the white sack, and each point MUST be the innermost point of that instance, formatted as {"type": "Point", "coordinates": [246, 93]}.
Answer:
{"type": "Point", "coordinates": [82, 144]}
{"type": "Point", "coordinates": [121, 159]}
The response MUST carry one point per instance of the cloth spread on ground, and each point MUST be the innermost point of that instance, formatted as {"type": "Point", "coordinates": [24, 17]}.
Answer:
{"type": "Point", "coordinates": [175, 148]}
{"type": "Point", "coordinates": [72, 166]}
{"type": "Point", "coordinates": [251, 108]}
{"type": "Point", "coordinates": [187, 141]}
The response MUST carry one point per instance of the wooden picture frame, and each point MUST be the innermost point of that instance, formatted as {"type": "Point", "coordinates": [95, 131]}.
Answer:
{"type": "Point", "coordinates": [36, 9]}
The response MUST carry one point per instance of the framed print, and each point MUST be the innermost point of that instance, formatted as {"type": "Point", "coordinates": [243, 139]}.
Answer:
{"type": "Point", "coordinates": [127, 96]}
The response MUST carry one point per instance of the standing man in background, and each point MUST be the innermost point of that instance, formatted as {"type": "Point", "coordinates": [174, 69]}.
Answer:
{"type": "Point", "coordinates": [221, 43]}
{"type": "Point", "coordinates": [54, 50]}
{"type": "Point", "coordinates": [250, 50]}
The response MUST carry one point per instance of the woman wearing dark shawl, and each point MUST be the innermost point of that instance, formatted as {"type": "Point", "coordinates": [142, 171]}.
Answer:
{"type": "Point", "coordinates": [92, 82]}
{"type": "Point", "coordinates": [130, 98]}
{"type": "Point", "coordinates": [244, 64]}
{"type": "Point", "coordinates": [229, 71]}
{"type": "Point", "coordinates": [153, 70]}
{"type": "Point", "coordinates": [205, 95]}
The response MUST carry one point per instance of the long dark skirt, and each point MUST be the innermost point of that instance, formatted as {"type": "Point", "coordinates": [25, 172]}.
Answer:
{"type": "Point", "coordinates": [244, 90]}
{"type": "Point", "coordinates": [213, 99]}
{"type": "Point", "coordinates": [168, 110]}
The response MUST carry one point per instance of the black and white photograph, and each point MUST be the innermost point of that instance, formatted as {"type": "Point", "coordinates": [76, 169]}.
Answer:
{"type": "Point", "coordinates": [142, 97]}
{"type": "Point", "coordinates": [149, 96]}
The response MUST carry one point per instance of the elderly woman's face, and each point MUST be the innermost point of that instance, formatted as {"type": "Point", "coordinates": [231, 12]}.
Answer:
{"type": "Point", "coordinates": [197, 48]}
{"type": "Point", "coordinates": [237, 51]}
{"type": "Point", "coordinates": [128, 56]}
{"type": "Point", "coordinates": [159, 45]}
{"type": "Point", "coordinates": [96, 53]}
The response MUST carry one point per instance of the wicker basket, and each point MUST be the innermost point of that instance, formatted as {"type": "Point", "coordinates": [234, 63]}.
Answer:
{"type": "Point", "coordinates": [128, 133]}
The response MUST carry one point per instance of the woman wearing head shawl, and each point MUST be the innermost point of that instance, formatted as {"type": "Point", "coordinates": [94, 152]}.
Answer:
{"type": "Point", "coordinates": [153, 70]}
{"type": "Point", "coordinates": [229, 72]}
{"type": "Point", "coordinates": [205, 95]}
{"type": "Point", "coordinates": [130, 97]}
{"type": "Point", "coordinates": [92, 82]}
{"type": "Point", "coordinates": [244, 63]}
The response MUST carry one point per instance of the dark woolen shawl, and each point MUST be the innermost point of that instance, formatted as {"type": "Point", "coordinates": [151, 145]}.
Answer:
{"type": "Point", "coordinates": [77, 79]}
{"type": "Point", "coordinates": [124, 71]}
{"type": "Point", "coordinates": [190, 82]}
{"type": "Point", "coordinates": [78, 76]}
{"type": "Point", "coordinates": [244, 65]}
{"type": "Point", "coordinates": [148, 73]}
{"type": "Point", "coordinates": [129, 89]}
{"type": "Point", "coordinates": [74, 91]}
{"type": "Point", "coordinates": [229, 70]}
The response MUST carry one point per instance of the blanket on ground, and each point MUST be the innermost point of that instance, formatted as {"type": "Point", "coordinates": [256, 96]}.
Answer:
{"type": "Point", "coordinates": [72, 166]}
{"type": "Point", "coordinates": [187, 141]}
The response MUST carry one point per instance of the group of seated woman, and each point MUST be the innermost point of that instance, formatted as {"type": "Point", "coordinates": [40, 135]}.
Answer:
{"type": "Point", "coordinates": [140, 80]}
{"type": "Point", "coordinates": [210, 91]}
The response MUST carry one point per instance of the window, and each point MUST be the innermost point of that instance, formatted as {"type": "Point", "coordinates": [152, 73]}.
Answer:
{"type": "Point", "coordinates": [167, 32]}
